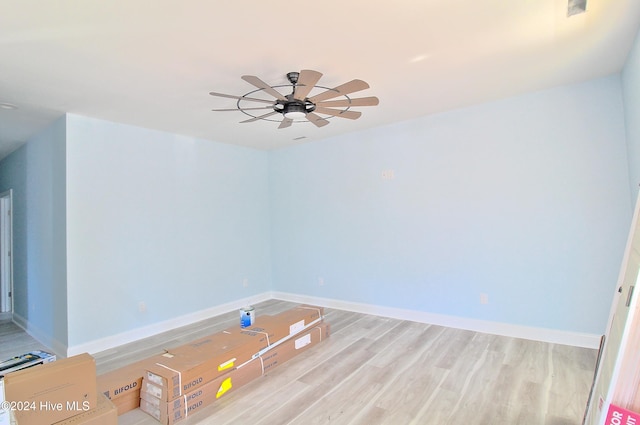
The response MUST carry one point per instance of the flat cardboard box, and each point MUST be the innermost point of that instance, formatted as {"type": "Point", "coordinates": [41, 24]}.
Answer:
{"type": "Point", "coordinates": [287, 323]}
{"type": "Point", "coordinates": [190, 366]}
{"type": "Point", "coordinates": [127, 403]}
{"type": "Point", "coordinates": [123, 381]}
{"type": "Point", "coordinates": [270, 328]}
{"type": "Point", "coordinates": [105, 413]}
{"type": "Point", "coordinates": [176, 410]}
{"type": "Point", "coordinates": [169, 412]}
{"type": "Point", "coordinates": [294, 346]}
{"type": "Point", "coordinates": [53, 391]}
{"type": "Point", "coordinates": [300, 317]}
{"type": "Point", "coordinates": [180, 372]}
{"type": "Point", "coordinates": [122, 386]}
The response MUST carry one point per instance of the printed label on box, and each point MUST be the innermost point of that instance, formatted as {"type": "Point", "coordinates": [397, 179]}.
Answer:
{"type": "Point", "coordinates": [303, 341]}
{"type": "Point", "coordinates": [296, 327]}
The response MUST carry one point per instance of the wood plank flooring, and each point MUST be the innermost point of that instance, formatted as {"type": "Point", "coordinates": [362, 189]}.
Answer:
{"type": "Point", "coordinates": [13, 340]}
{"type": "Point", "coordinates": [376, 370]}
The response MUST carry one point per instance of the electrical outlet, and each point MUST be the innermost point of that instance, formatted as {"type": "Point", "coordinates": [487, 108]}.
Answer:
{"type": "Point", "coordinates": [142, 307]}
{"type": "Point", "coordinates": [245, 282]}
{"type": "Point", "coordinates": [388, 175]}
{"type": "Point", "coordinates": [484, 299]}
{"type": "Point", "coordinates": [321, 281]}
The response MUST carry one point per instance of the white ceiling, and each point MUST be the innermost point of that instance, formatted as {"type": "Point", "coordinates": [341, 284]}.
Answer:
{"type": "Point", "coordinates": [152, 63]}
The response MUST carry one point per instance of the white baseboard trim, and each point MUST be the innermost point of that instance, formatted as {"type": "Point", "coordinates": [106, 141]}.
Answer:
{"type": "Point", "coordinates": [112, 341]}
{"type": "Point", "coordinates": [554, 336]}
{"type": "Point", "coordinates": [58, 348]}
{"type": "Point", "coordinates": [576, 339]}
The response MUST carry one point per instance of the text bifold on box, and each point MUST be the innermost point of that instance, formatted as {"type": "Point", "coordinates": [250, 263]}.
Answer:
{"type": "Point", "coordinates": [122, 386]}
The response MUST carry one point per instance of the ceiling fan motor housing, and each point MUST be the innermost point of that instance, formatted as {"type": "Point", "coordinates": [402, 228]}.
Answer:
{"type": "Point", "coordinates": [294, 108]}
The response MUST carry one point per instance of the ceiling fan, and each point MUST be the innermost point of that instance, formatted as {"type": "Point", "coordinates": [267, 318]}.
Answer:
{"type": "Point", "coordinates": [297, 106]}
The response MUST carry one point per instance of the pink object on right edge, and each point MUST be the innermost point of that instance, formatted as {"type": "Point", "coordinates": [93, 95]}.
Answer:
{"type": "Point", "coordinates": [619, 416]}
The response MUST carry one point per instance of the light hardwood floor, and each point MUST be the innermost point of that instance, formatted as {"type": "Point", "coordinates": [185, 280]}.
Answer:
{"type": "Point", "coordinates": [376, 370]}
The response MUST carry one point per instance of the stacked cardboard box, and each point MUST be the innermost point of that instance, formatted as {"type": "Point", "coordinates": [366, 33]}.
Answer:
{"type": "Point", "coordinates": [61, 391]}
{"type": "Point", "coordinates": [189, 366]}
{"type": "Point", "coordinates": [169, 412]}
{"type": "Point", "coordinates": [105, 413]}
{"type": "Point", "coordinates": [192, 376]}
{"type": "Point", "coordinates": [122, 386]}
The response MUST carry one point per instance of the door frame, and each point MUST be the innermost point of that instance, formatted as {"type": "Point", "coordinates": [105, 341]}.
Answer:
{"type": "Point", "coordinates": [6, 252]}
{"type": "Point", "coordinates": [607, 384]}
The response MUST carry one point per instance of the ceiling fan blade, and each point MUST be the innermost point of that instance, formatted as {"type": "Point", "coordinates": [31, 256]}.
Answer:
{"type": "Point", "coordinates": [306, 82]}
{"type": "Point", "coordinates": [252, 99]}
{"type": "Point", "coordinates": [264, 86]}
{"type": "Point", "coordinates": [352, 115]}
{"type": "Point", "coordinates": [361, 101]}
{"type": "Point", "coordinates": [316, 120]}
{"type": "Point", "coordinates": [243, 109]}
{"type": "Point", "coordinates": [260, 117]}
{"type": "Point", "coordinates": [286, 122]}
{"type": "Point", "coordinates": [346, 88]}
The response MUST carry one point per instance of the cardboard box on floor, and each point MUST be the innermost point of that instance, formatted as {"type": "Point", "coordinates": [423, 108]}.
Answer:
{"type": "Point", "coordinates": [123, 381]}
{"type": "Point", "coordinates": [180, 372]}
{"type": "Point", "coordinates": [127, 403]}
{"type": "Point", "coordinates": [270, 359]}
{"type": "Point", "coordinates": [170, 412]}
{"type": "Point", "coordinates": [268, 328]}
{"type": "Point", "coordinates": [122, 386]}
{"type": "Point", "coordinates": [105, 413]}
{"type": "Point", "coordinates": [190, 366]}
{"type": "Point", "coordinates": [54, 391]}
{"type": "Point", "coordinates": [300, 317]}
{"type": "Point", "coordinates": [294, 346]}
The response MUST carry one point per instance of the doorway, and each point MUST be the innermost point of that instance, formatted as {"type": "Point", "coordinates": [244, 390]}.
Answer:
{"type": "Point", "coordinates": [6, 247]}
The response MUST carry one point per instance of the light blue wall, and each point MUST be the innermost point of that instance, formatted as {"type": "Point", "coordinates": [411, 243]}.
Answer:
{"type": "Point", "coordinates": [523, 199]}
{"type": "Point", "coordinates": [172, 221]}
{"type": "Point", "coordinates": [36, 173]}
{"type": "Point", "coordinates": [631, 90]}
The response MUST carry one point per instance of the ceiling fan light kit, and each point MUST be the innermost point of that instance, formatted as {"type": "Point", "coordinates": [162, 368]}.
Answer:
{"type": "Point", "coordinates": [297, 107]}
{"type": "Point", "coordinates": [295, 110]}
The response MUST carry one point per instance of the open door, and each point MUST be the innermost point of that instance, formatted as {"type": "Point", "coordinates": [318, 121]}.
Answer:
{"type": "Point", "coordinates": [618, 373]}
